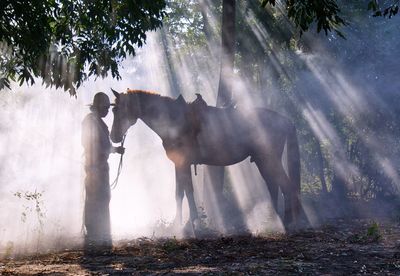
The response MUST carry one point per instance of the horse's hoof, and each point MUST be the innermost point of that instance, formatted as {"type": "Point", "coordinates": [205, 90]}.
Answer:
{"type": "Point", "coordinates": [196, 224]}
{"type": "Point", "coordinates": [188, 230]}
{"type": "Point", "coordinates": [177, 223]}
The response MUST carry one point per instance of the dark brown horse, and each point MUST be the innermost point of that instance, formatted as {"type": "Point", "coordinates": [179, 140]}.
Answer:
{"type": "Point", "coordinates": [195, 133]}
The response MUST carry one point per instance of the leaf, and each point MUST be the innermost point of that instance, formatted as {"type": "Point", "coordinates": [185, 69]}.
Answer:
{"type": "Point", "coordinates": [80, 30]}
{"type": "Point", "coordinates": [378, 13]}
{"type": "Point", "coordinates": [373, 5]}
{"type": "Point", "coordinates": [266, 2]}
{"type": "Point", "coordinates": [340, 34]}
{"type": "Point", "coordinates": [4, 83]}
{"type": "Point", "coordinates": [386, 12]}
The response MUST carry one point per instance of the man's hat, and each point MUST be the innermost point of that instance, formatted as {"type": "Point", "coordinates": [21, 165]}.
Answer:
{"type": "Point", "coordinates": [101, 100]}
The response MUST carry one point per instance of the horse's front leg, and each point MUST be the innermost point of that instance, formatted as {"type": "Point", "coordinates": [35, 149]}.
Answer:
{"type": "Point", "coordinates": [184, 185]}
{"type": "Point", "coordinates": [179, 193]}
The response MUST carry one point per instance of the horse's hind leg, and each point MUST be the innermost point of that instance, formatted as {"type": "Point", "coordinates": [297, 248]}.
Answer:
{"type": "Point", "coordinates": [272, 185]}
{"type": "Point", "coordinates": [275, 176]}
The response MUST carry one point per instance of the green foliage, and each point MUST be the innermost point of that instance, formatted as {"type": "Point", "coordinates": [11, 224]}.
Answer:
{"type": "Point", "coordinates": [184, 23]}
{"type": "Point", "coordinates": [171, 245]}
{"type": "Point", "coordinates": [388, 11]}
{"type": "Point", "coordinates": [371, 235]}
{"type": "Point", "coordinates": [304, 13]}
{"type": "Point", "coordinates": [373, 231]}
{"type": "Point", "coordinates": [33, 198]}
{"type": "Point", "coordinates": [66, 41]}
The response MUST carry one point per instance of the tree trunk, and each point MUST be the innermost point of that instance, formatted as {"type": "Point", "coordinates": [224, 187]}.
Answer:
{"type": "Point", "coordinates": [206, 23]}
{"type": "Point", "coordinates": [171, 70]}
{"type": "Point", "coordinates": [321, 173]}
{"type": "Point", "coordinates": [224, 97]}
{"type": "Point", "coordinates": [217, 207]}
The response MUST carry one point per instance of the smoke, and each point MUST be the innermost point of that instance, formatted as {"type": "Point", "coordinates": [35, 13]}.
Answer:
{"type": "Point", "coordinates": [41, 169]}
{"type": "Point", "coordinates": [41, 173]}
{"type": "Point", "coordinates": [348, 94]}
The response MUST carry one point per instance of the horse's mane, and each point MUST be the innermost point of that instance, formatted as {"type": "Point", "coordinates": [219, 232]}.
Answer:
{"type": "Point", "coordinates": [138, 91]}
{"type": "Point", "coordinates": [148, 93]}
{"type": "Point", "coordinates": [196, 102]}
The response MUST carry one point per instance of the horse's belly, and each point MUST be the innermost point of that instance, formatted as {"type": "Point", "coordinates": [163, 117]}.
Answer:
{"type": "Point", "coordinates": [223, 147]}
{"type": "Point", "coordinates": [221, 156]}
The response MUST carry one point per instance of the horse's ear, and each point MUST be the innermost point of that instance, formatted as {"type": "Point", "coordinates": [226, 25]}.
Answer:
{"type": "Point", "coordinates": [116, 94]}
{"type": "Point", "coordinates": [180, 99]}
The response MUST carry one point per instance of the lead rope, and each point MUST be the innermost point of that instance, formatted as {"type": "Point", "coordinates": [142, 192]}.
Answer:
{"type": "Point", "coordinates": [115, 182]}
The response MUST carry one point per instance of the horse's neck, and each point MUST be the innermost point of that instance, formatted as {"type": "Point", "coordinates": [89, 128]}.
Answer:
{"type": "Point", "coordinates": [155, 115]}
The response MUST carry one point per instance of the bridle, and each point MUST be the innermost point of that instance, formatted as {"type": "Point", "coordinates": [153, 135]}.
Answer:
{"type": "Point", "coordinates": [121, 160]}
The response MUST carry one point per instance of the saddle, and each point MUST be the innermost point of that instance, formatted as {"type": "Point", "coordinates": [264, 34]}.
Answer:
{"type": "Point", "coordinates": [195, 121]}
{"type": "Point", "coordinates": [196, 114]}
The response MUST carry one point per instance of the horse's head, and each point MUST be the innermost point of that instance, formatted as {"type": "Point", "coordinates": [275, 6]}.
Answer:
{"type": "Point", "coordinates": [126, 112]}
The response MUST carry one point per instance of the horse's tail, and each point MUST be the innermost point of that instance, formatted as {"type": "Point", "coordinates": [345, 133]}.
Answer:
{"type": "Point", "coordinates": [293, 162]}
{"type": "Point", "coordinates": [293, 158]}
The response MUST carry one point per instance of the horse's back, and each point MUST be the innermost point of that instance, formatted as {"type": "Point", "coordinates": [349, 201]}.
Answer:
{"type": "Point", "coordinates": [270, 132]}
{"type": "Point", "coordinates": [229, 121]}
{"type": "Point", "coordinates": [242, 132]}
{"type": "Point", "coordinates": [272, 120]}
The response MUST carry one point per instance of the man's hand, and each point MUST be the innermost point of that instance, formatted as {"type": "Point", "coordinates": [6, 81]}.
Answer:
{"type": "Point", "coordinates": [119, 150]}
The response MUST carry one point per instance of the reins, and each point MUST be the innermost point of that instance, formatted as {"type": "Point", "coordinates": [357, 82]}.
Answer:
{"type": "Point", "coordinates": [121, 159]}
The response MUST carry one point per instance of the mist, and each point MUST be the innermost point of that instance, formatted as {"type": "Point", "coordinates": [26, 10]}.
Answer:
{"type": "Point", "coordinates": [42, 191]}
{"type": "Point", "coordinates": [353, 80]}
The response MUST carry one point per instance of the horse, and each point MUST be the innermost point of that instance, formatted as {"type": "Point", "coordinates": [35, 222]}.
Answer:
{"type": "Point", "coordinates": [195, 133]}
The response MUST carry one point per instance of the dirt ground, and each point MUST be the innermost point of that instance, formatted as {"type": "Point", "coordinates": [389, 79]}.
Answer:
{"type": "Point", "coordinates": [339, 247]}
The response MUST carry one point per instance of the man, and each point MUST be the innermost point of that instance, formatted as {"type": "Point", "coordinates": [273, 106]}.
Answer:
{"type": "Point", "coordinates": [97, 148]}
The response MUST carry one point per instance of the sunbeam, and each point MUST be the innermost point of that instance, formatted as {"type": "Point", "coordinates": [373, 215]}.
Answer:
{"type": "Point", "coordinates": [334, 99]}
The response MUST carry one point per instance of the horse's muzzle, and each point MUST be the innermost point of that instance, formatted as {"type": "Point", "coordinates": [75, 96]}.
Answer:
{"type": "Point", "coordinates": [116, 138]}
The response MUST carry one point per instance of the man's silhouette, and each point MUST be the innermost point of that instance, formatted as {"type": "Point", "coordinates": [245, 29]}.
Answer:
{"type": "Point", "coordinates": [97, 148]}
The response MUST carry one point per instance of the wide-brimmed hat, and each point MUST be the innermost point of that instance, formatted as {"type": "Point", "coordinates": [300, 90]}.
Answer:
{"type": "Point", "coordinates": [101, 100]}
